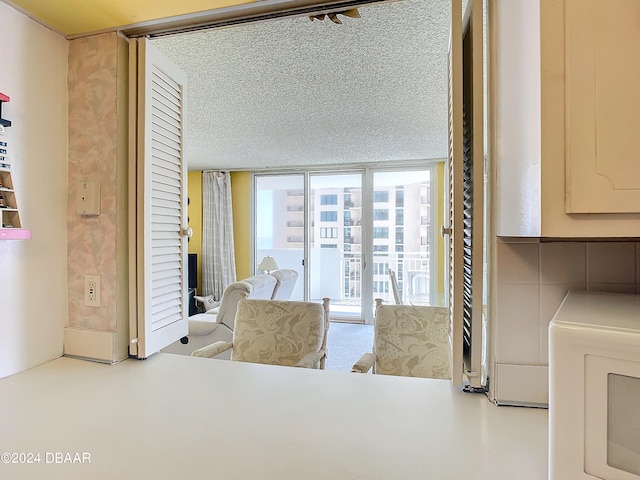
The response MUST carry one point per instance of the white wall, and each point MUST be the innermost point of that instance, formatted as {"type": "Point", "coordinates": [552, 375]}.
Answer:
{"type": "Point", "coordinates": [516, 92]}
{"type": "Point", "coordinates": [33, 276]}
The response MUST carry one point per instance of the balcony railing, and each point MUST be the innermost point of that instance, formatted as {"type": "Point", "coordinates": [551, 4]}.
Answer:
{"type": "Point", "coordinates": [412, 270]}
{"type": "Point", "coordinates": [339, 275]}
{"type": "Point", "coordinates": [353, 222]}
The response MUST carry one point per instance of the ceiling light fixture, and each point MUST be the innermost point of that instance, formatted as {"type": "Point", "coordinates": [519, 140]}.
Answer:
{"type": "Point", "coordinates": [333, 16]}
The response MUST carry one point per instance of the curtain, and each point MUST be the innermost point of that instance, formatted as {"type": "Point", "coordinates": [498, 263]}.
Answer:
{"type": "Point", "coordinates": [218, 255]}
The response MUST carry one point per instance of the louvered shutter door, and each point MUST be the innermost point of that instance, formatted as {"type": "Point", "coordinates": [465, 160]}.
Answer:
{"type": "Point", "coordinates": [162, 244]}
{"type": "Point", "coordinates": [465, 169]}
{"type": "Point", "coordinates": [454, 169]}
{"type": "Point", "coordinates": [473, 188]}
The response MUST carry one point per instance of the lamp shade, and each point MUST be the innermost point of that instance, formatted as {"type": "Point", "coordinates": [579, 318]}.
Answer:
{"type": "Point", "coordinates": [268, 264]}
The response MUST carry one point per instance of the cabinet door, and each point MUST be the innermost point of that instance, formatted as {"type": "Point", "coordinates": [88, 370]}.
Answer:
{"type": "Point", "coordinates": [602, 106]}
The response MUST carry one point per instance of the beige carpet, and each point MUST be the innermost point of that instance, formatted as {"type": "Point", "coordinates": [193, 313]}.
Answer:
{"type": "Point", "coordinates": [345, 343]}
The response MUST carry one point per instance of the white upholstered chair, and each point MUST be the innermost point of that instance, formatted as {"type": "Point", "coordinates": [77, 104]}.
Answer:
{"type": "Point", "coordinates": [255, 286]}
{"type": "Point", "coordinates": [409, 340]}
{"type": "Point", "coordinates": [277, 332]}
{"type": "Point", "coordinates": [286, 280]}
{"type": "Point", "coordinates": [217, 323]}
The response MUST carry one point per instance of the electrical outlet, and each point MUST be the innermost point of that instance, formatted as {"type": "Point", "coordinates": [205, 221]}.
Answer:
{"type": "Point", "coordinates": [92, 290]}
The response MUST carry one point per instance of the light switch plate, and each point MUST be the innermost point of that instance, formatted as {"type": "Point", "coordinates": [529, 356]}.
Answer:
{"type": "Point", "coordinates": [88, 199]}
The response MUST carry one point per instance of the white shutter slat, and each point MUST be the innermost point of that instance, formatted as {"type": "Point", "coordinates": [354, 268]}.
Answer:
{"type": "Point", "coordinates": [166, 262]}
{"type": "Point", "coordinates": [165, 152]}
{"type": "Point", "coordinates": [166, 87]}
{"type": "Point", "coordinates": [163, 229]}
{"type": "Point", "coordinates": [162, 282]}
{"type": "Point", "coordinates": [165, 276]}
{"type": "Point", "coordinates": [164, 255]}
{"type": "Point", "coordinates": [164, 299]}
{"type": "Point", "coordinates": [163, 197]}
{"type": "Point", "coordinates": [167, 200]}
{"type": "Point", "coordinates": [164, 121]}
{"type": "Point", "coordinates": [166, 164]}
{"type": "Point", "coordinates": [164, 135]}
{"type": "Point", "coordinates": [161, 320]}
{"type": "Point", "coordinates": [165, 184]}
{"type": "Point", "coordinates": [166, 215]}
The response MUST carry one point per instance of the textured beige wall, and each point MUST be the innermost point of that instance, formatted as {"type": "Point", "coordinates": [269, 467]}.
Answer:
{"type": "Point", "coordinates": [97, 153]}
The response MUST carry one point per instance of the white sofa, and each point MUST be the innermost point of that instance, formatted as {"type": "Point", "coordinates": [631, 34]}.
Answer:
{"type": "Point", "coordinates": [217, 323]}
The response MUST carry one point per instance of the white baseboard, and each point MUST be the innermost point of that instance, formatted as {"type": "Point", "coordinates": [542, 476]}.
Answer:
{"type": "Point", "coordinates": [90, 344]}
{"type": "Point", "coordinates": [524, 385]}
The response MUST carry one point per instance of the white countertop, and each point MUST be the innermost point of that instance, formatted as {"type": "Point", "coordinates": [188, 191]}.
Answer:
{"type": "Point", "coordinates": [600, 310]}
{"type": "Point", "coordinates": [178, 417]}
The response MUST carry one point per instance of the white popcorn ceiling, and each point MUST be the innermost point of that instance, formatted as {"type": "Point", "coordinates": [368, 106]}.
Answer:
{"type": "Point", "coordinates": [295, 92]}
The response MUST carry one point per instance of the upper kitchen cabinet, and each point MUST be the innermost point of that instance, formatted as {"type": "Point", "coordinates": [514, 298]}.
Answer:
{"type": "Point", "coordinates": [602, 59]}
{"type": "Point", "coordinates": [565, 117]}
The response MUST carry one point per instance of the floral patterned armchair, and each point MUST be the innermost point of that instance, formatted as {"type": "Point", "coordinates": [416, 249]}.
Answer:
{"type": "Point", "coordinates": [410, 341]}
{"type": "Point", "coordinates": [277, 332]}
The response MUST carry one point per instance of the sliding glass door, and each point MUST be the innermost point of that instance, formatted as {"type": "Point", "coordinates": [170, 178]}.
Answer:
{"type": "Point", "coordinates": [279, 226]}
{"type": "Point", "coordinates": [403, 236]}
{"type": "Point", "coordinates": [336, 267]}
{"type": "Point", "coordinates": [345, 231]}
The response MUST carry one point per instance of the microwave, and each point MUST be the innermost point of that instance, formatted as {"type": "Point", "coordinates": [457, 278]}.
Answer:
{"type": "Point", "coordinates": [594, 387]}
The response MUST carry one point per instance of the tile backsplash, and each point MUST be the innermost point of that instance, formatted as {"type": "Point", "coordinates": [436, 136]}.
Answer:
{"type": "Point", "coordinates": [533, 278]}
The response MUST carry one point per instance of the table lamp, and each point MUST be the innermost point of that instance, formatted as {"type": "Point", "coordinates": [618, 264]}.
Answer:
{"type": "Point", "coordinates": [268, 264]}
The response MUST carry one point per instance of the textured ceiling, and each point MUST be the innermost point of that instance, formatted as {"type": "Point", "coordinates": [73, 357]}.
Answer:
{"type": "Point", "coordinates": [293, 92]}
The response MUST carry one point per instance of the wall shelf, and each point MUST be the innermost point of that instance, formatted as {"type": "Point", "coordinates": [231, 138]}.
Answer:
{"type": "Point", "coordinates": [10, 223]}
{"type": "Point", "coordinates": [15, 234]}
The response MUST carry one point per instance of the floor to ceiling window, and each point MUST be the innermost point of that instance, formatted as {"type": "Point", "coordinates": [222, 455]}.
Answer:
{"type": "Point", "coordinates": [403, 234]}
{"type": "Point", "coordinates": [343, 231]}
{"type": "Point", "coordinates": [335, 242]}
{"type": "Point", "coordinates": [279, 223]}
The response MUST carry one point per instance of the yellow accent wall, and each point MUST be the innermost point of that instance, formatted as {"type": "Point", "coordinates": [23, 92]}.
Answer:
{"type": "Point", "coordinates": [241, 200]}
{"type": "Point", "coordinates": [195, 219]}
{"type": "Point", "coordinates": [241, 195]}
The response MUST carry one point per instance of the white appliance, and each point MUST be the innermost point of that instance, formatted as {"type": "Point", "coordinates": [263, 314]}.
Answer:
{"type": "Point", "coordinates": [594, 387]}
